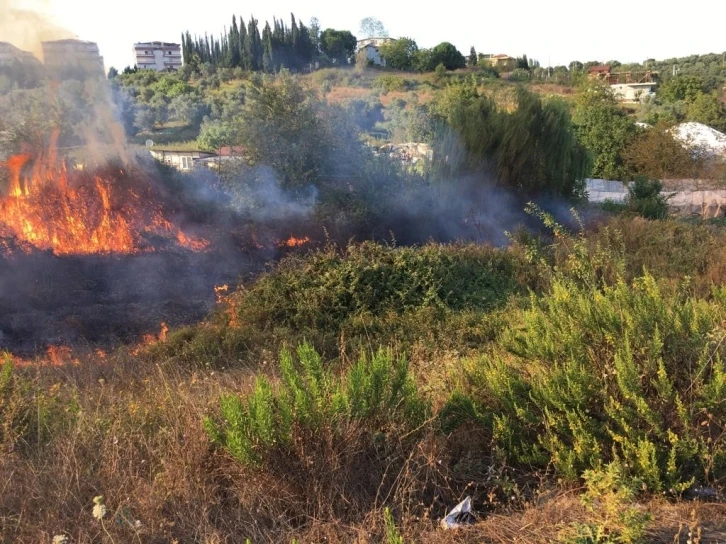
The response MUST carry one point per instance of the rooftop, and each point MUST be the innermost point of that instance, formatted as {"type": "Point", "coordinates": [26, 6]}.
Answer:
{"type": "Point", "coordinates": [68, 42]}
{"type": "Point", "coordinates": [158, 44]}
{"type": "Point", "coordinates": [601, 69]}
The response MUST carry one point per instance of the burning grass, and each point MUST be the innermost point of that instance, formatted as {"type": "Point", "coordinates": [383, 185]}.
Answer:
{"type": "Point", "coordinates": [74, 212]}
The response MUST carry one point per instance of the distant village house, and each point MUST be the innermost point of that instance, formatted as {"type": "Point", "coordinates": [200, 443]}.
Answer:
{"type": "Point", "coordinates": [368, 50]}
{"type": "Point", "coordinates": [184, 160]}
{"type": "Point", "coordinates": [503, 63]}
{"type": "Point", "coordinates": [626, 86]}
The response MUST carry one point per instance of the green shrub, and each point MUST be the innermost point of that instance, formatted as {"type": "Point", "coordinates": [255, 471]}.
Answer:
{"type": "Point", "coordinates": [628, 372]}
{"type": "Point", "coordinates": [390, 83]}
{"type": "Point", "coordinates": [613, 516]}
{"type": "Point", "coordinates": [645, 198]}
{"type": "Point", "coordinates": [393, 536]}
{"type": "Point", "coordinates": [438, 293]}
{"type": "Point", "coordinates": [601, 368]}
{"type": "Point", "coordinates": [311, 402]}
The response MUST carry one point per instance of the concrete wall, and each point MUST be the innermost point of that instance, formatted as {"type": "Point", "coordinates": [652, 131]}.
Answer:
{"type": "Point", "coordinates": [704, 202]}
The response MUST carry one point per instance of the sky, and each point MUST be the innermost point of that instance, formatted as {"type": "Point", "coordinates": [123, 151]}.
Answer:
{"type": "Point", "coordinates": [554, 32]}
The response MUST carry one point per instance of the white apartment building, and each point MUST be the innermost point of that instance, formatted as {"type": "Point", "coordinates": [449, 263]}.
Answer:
{"type": "Point", "coordinates": [159, 56]}
{"type": "Point", "coordinates": [61, 54]}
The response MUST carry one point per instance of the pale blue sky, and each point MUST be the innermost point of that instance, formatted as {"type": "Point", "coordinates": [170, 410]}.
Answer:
{"type": "Point", "coordinates": [557, 31]}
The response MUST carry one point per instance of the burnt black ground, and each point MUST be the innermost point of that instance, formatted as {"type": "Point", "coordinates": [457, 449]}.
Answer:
{"type": "Point", "coordinates": [104, 300]}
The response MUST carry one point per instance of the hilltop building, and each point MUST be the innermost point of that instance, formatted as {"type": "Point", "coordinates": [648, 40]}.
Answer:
{"type": "Point", "coordinates": [10, 54]}
{"type": "Point", "coordinates": [626, 86]}
{"type": "Point", "coordinates": [503, 63]}
{"type": "Point", "coordinates": [60, 55]}
{"type": "Point", "coordinates": [159, 56]}
{"type": "Point", "coordinates": [368, 50]}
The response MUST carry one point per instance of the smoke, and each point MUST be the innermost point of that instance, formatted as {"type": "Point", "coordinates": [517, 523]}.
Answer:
{"type": "Point", "coordinates": [25, 28]}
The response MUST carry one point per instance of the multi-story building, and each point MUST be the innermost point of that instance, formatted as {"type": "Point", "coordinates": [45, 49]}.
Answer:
{"type": "Point", "coordinates": [10, 54]}
{"type": "Point", "coordinates": [72, 54]}
{"type": "Point", "coordinates": [159, 56]}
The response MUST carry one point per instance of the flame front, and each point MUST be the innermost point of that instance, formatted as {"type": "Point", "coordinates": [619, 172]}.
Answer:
{"type": "Point", "coordinates": [75, 212]}
{"type": "Point", "coordinates": [295, 242]}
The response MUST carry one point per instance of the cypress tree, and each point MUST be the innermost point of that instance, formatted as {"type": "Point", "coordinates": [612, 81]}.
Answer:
{"type": "Point", "coordinates": [244, 60]}
{"type": "Point", "coordinates": [268, 56]}
{"type": "Point", "coordinates": [234, 49]}
{"type": "Point", "coordinates": [253, 45]}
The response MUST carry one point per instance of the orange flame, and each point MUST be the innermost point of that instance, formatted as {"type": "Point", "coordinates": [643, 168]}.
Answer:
{"type": "Point", "coordinates": [76, 212]}
{"type": "Point", "coordinates": [295, 242]}
{"type": "Point", "coordinates": [220, 292]}
{"type": "Point", "coordinates": [149, 339]}
{"type": "Point", "coordinates": [61, 356]}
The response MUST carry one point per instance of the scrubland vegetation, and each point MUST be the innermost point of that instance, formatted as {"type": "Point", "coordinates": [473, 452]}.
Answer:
{"type": "Point", "coordinates": [570, 380]}
{"type": "Point", "coordinates": [355, 381]}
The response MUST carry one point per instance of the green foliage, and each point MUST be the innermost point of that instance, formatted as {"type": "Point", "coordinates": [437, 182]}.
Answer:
{"type": "Point", "coordinates": [338, 44]}
{"type": "Point", "coordinates": [683, 87]}
{"type": "Point", "coordinates": [448, 55]}
{"type": "Point", "coordinates": [393, 83]}
{"type": "Point", "coordinates": [605, 131]}
{"type": "Point", "coordinates": [645, 198]}
{"type": "Point", "coordinates": [614, 518]}
{"type": "Point", "coordinates": [532, 148]}
{"type": "Point", "coordinates": [600, 372]}
{"type": "Point", "coordinates": [312, 403]}
{"type": "Point", "coordinates": [400, 54]}
{"type": "Point", "coordinates": [440, 294]}
{"type": "Point", "coordinates": [393, 536]}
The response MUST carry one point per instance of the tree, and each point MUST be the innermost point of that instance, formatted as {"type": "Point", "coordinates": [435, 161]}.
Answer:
{"type": "Point", "coordinates": [188, 109]}
{"type": "Point", "coordinates": [339, 45]}
{"type": "Point", "coordinates": [315, 35]}
{"type": "Point", "coordinates": [707, 109]}
{"type": "Point", "coordinates": [657, 154]}
{"type": "Point", "coordinates": [370, 27]}
{"type": "Point", "coordinates": [604, 129]}
{"type": "Point", "coordinates": [448, 55]}
{"type": "Point", "coordinates": [532, 148]}
{"type": "Point", "coordinates": [686, 88]}
{"type": "Point", "coordinates": [112, 73]}
{"type": "Point", "coordinates": [399, 54]}
{"type": "Point", "coordinates": [472, 57]}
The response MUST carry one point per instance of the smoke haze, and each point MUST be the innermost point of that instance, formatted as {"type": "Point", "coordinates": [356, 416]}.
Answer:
{"type": "Point", "coordinates": [26, 28]}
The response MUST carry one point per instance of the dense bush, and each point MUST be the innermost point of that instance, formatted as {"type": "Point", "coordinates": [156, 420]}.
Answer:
{"type": "Point", "coordinates": [439, 293]}
{"type": "Point", "coordinates": [312, 404]}
{"type": "Point", "coordinates": [594, 372]}
{"type": "Point", "coordinates": [645, 198]}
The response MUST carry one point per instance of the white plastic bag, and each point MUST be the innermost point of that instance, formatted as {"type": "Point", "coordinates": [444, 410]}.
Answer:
{"type": "Point", "coordinates": [460, 515]}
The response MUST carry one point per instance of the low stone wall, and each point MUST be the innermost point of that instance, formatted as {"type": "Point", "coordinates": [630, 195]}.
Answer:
{"type": "Point", "coordinates": [707, 203]}
{"type": "Point", "coordinates": [600, 190]}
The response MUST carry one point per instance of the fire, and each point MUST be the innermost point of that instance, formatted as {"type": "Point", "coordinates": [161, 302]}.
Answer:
{"type": "Point", "coordinates": [220, 292]}
{"type": "Point", "coordinates": [295, 242]}
{"type": "Point", "coordinates": [60, 356]}
{"type": "Point", "coordinates": [77, 212]}
{"type": "Point", "coordinates": [161, 337]}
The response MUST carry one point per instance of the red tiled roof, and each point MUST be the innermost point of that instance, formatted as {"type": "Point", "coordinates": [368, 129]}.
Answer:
{"type": "Point", "coordinates": [602, 69]}
{"type": "Point", "coordinates": [227, 151]}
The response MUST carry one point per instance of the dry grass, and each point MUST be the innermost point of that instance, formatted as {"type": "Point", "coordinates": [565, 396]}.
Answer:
{"type": "Point", "coordinates": [338, 95]}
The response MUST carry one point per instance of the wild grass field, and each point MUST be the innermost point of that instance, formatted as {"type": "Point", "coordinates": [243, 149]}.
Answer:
{"type": "Point", "coordinates": [572, 385]}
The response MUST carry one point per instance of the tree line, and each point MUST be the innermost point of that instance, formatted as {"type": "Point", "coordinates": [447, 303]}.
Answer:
{"type": "Point", "coordinates": [244, 46]}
